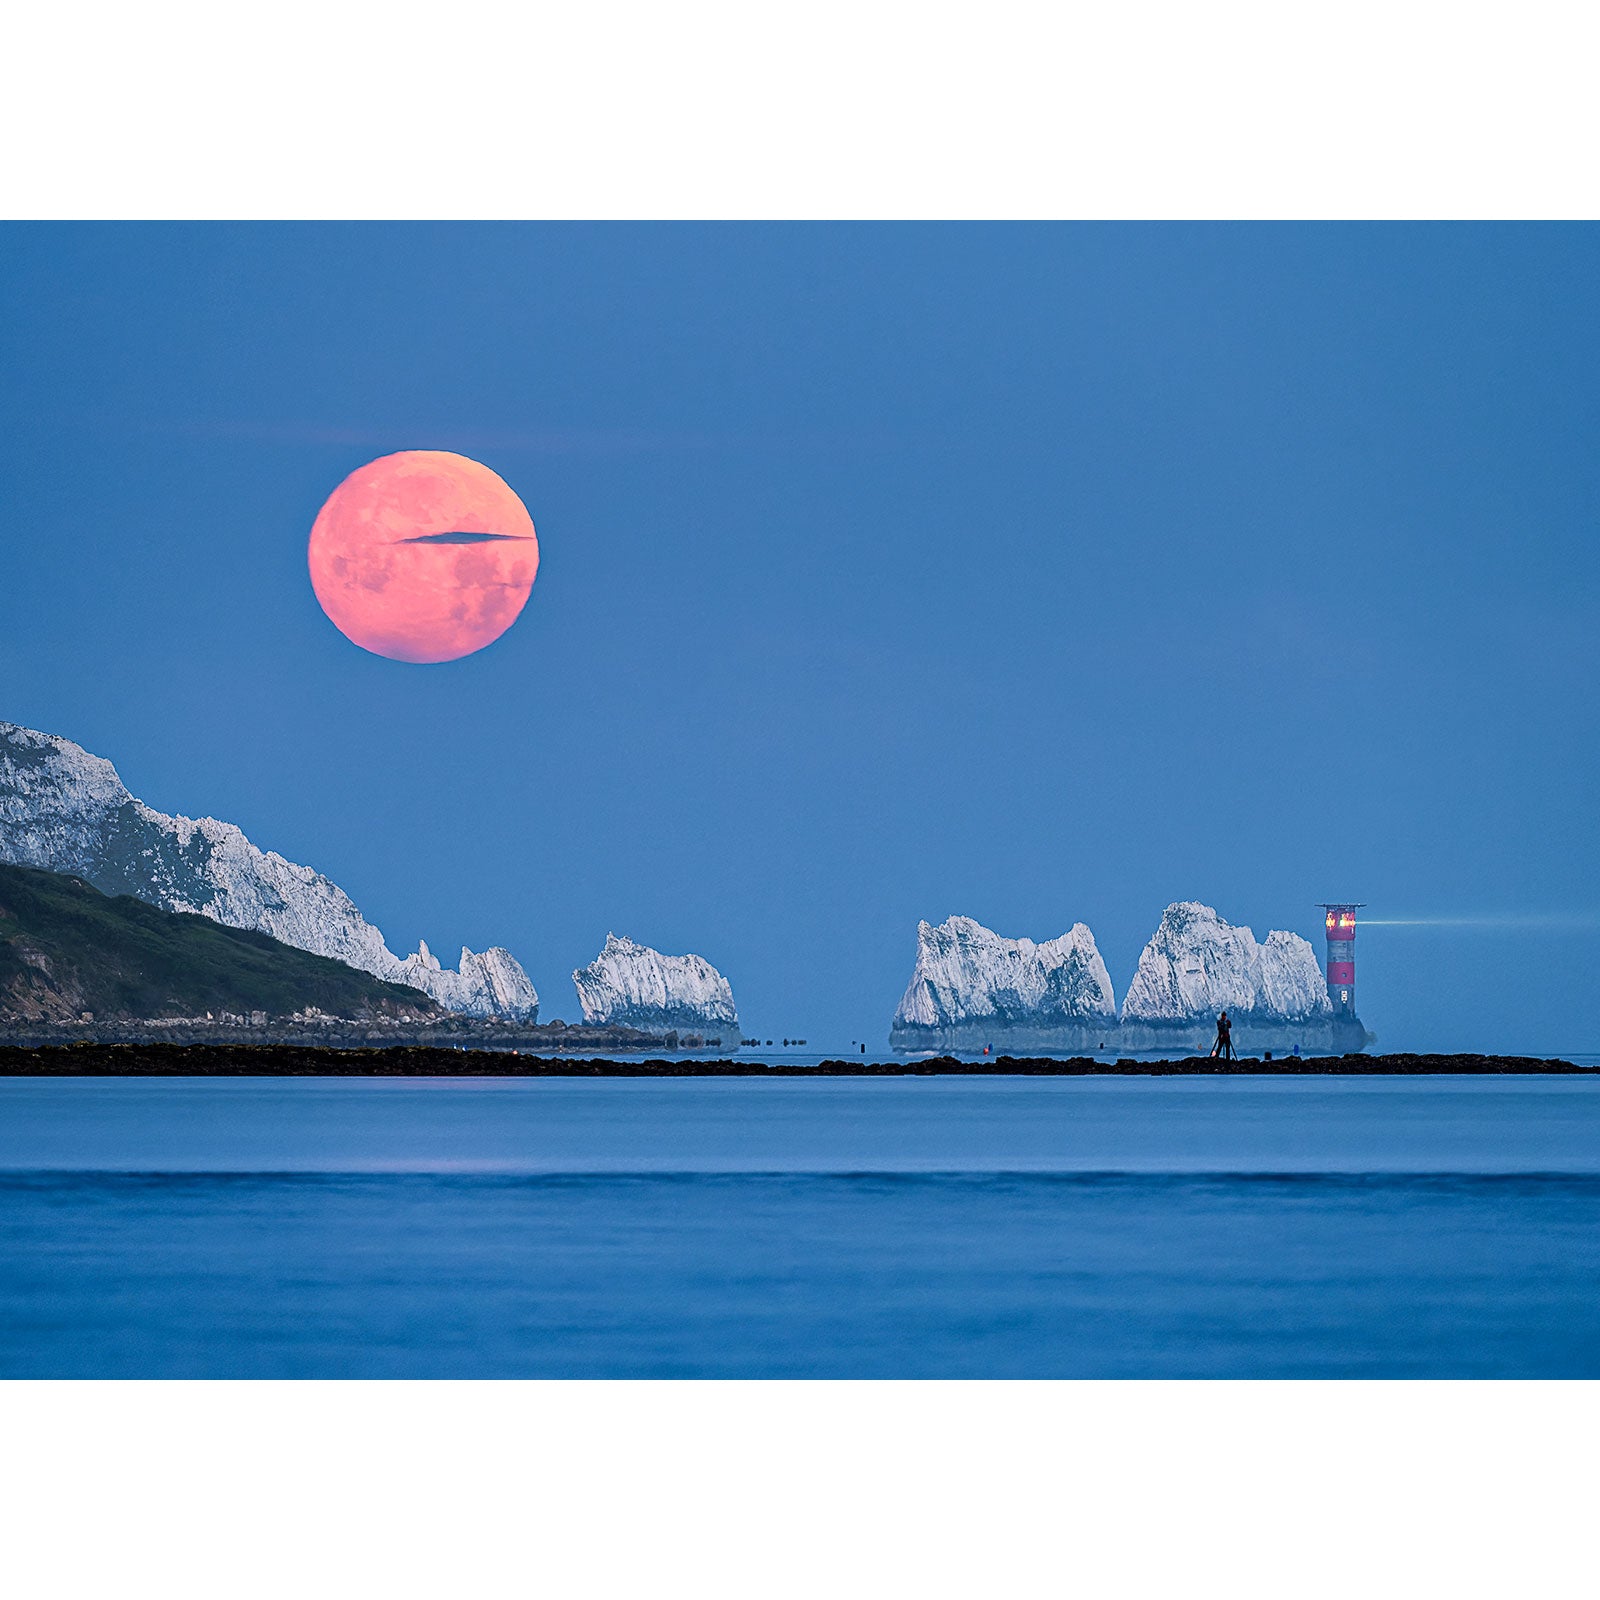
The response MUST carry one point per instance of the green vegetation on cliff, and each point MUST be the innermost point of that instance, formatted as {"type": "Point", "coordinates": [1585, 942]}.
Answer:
{"type": "Point", "coordinates": [66, 949]}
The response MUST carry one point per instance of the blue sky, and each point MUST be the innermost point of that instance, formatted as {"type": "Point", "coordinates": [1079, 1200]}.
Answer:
{"type": "Point", "coordinates": [1043, 574]}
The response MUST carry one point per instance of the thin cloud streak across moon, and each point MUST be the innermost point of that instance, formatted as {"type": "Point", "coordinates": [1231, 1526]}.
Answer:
{"type": "Point", "coordinates": [463, 538]}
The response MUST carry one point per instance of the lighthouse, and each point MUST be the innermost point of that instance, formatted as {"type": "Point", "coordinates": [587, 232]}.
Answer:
{"type": "Point", "coordinates": [1340, 922]}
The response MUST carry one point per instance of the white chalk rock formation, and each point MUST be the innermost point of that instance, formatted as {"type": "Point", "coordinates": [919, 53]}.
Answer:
{"type": "Point", "coordinates": [630, 985]}
{"type": "Point", "coordinates": [64, 810]}
{"type": "Point", "coordinates": [1197, 965]}
{"type": "Point", "coordinates": [490, 984]}
{"type": "Point", "coordinates": [972, 987]}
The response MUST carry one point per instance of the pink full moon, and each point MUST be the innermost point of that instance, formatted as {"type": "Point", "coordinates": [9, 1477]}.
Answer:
{"type": "Point", "coordinates": [423, 556]}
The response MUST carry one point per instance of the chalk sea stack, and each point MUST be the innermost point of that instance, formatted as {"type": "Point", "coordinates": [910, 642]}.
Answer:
{"type": "Point", "coordinates": [64, 810]}
{"type": "Point", "coordinates": [633, 986]}
{"type": "Point", "coordinates": [1197, 965]}
{"type": "Point", "coordinates": [972, 987]}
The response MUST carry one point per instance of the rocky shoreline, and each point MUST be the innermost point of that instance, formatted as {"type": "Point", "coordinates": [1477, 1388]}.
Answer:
{"type": "Point", "coordinates": [88, 1059]}
{"type": "Point", "coordinates": [447, 1034]}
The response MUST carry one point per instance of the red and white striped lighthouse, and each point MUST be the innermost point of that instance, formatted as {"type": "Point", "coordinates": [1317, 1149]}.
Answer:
{"type": "Point", "coordinates": [1340, 922]}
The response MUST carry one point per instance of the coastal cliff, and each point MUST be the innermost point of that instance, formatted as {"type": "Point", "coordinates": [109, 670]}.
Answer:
{"type": "Point", "coordinates": [71, 955]}
{"type": "Point", "coordinates": [65, 810]}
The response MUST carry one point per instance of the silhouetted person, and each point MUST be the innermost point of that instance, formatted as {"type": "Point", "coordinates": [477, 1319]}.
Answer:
{"type": "Point", "coordinates": [1224, 1045]}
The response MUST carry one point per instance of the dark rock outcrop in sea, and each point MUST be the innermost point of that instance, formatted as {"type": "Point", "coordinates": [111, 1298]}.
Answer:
{"type": "Point", "coordinates": [167, 1060]}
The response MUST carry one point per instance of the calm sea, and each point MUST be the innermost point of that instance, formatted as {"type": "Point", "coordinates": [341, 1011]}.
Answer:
{"type": "Point", "coordinates": [1002, 1227]}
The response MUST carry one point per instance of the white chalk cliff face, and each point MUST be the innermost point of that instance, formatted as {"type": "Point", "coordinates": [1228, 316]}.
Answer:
{"type": "Point", "coordinates": [969, 978]}
{"type": "Point", "coordinates": [64, 810]}
{"type": "Point", "coordinates": [630, 985]}
{"type": "Point", "coordinates": [1197, 965]}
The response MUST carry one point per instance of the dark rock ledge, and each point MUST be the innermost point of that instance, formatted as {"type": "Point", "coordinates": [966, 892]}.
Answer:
{"type": "Point", "coordinates": [294, 1060]}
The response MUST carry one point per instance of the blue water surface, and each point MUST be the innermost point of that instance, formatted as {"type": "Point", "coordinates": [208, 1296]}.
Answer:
{"type": "Point", "coordinates": [1002, 1227]}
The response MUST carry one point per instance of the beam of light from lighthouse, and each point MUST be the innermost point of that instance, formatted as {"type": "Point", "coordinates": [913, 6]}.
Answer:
{"type": "Point", "coordinates": [1529, 922]}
